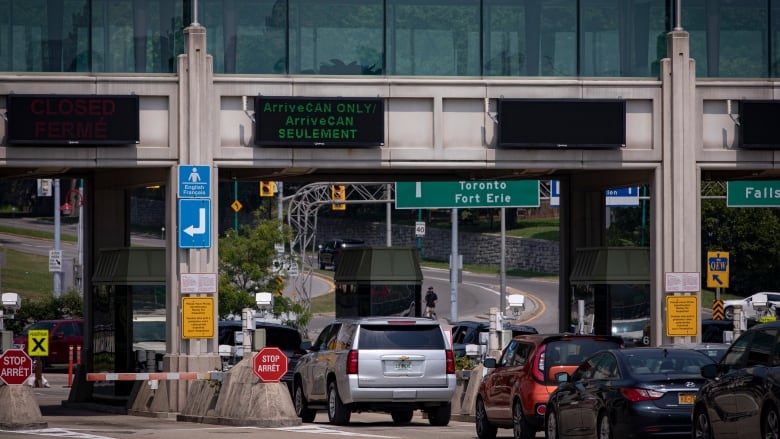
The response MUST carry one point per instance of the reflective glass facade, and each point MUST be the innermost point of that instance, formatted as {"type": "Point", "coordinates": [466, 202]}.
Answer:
{"type": "Point", "coordinates": [551, 38]}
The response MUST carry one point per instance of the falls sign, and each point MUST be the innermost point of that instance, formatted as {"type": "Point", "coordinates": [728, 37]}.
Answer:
{"type": "Point", "coordinates": [466, 194]}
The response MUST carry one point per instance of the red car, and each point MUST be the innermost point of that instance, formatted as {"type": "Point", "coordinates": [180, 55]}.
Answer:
{"type": "Point", "coordinates": [515, 393]}
{"type": "Point", "coordinates": [62, 335]}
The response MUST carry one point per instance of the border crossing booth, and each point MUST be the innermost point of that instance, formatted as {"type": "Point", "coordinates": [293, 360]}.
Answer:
{"type": "Point", "coordinates": [610, 293]}
{"type": "Point", "coordinates": [378, 281]}
{"type": "Point", "coordinates": [128, 292]}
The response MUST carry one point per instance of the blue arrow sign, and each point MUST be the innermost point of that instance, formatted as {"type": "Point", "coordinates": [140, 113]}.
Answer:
{"type": "Point", "coordinates": [194, 223]}
{"type": "Point", "coordinates": [194, 181]}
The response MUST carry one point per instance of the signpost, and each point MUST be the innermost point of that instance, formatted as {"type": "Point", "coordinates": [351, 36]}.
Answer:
{"type": "Point", "coordinates": [270, 364]}
{"type": "Point", "coordinates": [15, 367]}
{"type": "Point", "coordinates": [466, 194]}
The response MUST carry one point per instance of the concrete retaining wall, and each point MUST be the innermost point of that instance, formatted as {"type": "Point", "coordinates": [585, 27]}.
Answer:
{"type": "Point", "coordinates": [537, 255]}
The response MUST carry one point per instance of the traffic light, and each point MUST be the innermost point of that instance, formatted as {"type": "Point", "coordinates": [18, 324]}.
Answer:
{"type": "Point", "coordinates": [338, 192]}
{"type": "Point", "coordinates": [267, 188]}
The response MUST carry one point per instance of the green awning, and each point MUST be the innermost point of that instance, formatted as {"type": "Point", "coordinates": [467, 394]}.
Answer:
{"type": "Point", "coordinates": [372, 264]}
{"type": "Point", "coordinates": [130, 266]}
{"type": "Point", "coordinates": [611, 265]}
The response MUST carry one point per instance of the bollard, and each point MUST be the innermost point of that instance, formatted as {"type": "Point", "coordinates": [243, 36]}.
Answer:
{"type": "Point", "coordinates": [70, 365]}
{"type": "Point", "coordinates": [78, 355]}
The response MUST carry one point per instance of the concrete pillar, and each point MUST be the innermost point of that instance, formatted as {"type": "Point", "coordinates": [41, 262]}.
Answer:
{"type": "Point", "coordinates": [197, 136]}
{"type": "Point", "coordinates": [677, 213]}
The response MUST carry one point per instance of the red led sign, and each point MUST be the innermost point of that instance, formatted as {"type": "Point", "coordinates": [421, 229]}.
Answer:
{"type": "Point", "coordinates": [73, 120]}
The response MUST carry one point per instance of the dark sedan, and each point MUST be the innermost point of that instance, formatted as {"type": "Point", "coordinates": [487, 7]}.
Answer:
{"type": "Point", "coordinates": [627, 393]}
{"type": "Point", "coordinates": [741, 398]}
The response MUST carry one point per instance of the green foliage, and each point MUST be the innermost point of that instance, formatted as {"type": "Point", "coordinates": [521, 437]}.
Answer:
{"type": "Point", "coordinates": [246, 268]}
{"type": "Point", "coordinates": [750, 237]}
{"type": "Point", "coordinates": [69, 305]}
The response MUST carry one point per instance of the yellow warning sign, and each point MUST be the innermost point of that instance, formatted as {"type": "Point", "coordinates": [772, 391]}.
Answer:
{"type": "Point", "coordinates": [718, 313]}
{"type": "Point", "coordinates": [682, 315]}
{"type": "Point", "coordinates": [236, 206]}
{"type": "Point", "coordinates": [197, 317]}
{"type": "Point", "coordinates": [38, 342]}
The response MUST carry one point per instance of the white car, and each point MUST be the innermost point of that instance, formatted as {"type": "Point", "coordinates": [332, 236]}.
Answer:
{"type": "Point", "coordinates": [751, 304]}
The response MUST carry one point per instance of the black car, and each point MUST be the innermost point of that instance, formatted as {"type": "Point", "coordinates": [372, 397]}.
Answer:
{"type": "Point", "coordinates": [284, 337]}
{"type": "Point", "coordinates": [627, 393]}
{"type": "Point", "coordinates": [330, 252]}
{"type": "Point", "coordinates": [741, 398]}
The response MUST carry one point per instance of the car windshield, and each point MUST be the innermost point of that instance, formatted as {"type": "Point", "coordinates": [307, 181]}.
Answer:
{"type": "Point", "coordinates": [148, 331]}
{"type": "Point", "coordinates": [400, 337]}
{"type": "Point", "coordinates": [672, 361]}
{"type": "Point", "coordinates": [39, 325]}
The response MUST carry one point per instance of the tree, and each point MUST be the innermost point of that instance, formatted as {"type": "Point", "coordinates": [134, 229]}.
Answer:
{"type": "Point", "coordinates": [246, 267]}
{"type": "Point", "coordinates": [750, 237]}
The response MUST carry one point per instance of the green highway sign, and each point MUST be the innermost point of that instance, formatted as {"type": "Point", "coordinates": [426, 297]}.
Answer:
{"type": "Point", "coordinates": [753, 193]}
{"type": "Point", "coordinates": [466, 194]}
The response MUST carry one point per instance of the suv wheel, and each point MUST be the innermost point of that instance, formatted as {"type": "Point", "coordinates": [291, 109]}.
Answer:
{"type": "Point", "coordinates": [605, 430]}
{"type": "Point", "coordinates": [551, 425]}
{"type": "Point", "coordinates": [301, 405]}
{"type": "Point", "coordinates": [520, 428]}
{"type": "Point", "coordinates": [402, 416]}
{"type": "Point", "coordinates": [440, 416]}
{"type": "Point", "coordinates": [484, 429]}
{"type": "Point", "coordinates": [338, 413]}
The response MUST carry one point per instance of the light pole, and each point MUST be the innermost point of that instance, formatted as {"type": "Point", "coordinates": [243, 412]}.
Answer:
{"type": "Point", "coordinates": [67, 209]}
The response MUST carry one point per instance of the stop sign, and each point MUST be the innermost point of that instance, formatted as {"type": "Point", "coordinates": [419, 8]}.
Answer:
{"type": "Point", "coordinates": [270, 364]}
{"type": "Point", "coordinates": [15, 366]}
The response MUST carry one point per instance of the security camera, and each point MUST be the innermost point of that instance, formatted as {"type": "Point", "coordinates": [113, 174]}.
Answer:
{"type": "Point", "coordinates": [11, 301]}
{"type": "Point", "coordinates": [516, 303]}
{"type": "Point", "coordinates": [264, 300]}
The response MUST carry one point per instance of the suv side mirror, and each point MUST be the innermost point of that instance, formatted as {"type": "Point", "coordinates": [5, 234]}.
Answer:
{"type": "Point", "coordinates": [490, 363]}
{"type": "Point", "coordinates": [306, 345]}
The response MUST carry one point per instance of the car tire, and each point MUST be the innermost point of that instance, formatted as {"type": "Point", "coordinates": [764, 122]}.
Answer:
{"type": "Point", "coordinates": [402, 416]}
{"type": "Point", "coordinates": [485, 430]}
{"type": "Point", "coordinates": [440, 416]}
{"type": "Point", "coordinates": [338, 413]}
{"type": "Point", "coordinates": [770, 423]}
{"type": "Point", "coordinates": [521, 429]}
{"type": "Point", "coordinates": [551, 425]}
{"type": "Point", "coordinates": [702, 428]}
{"type": "Point", "coordinates": [302, 406]}
{"type": "Point", "coordinates": [729, 313]}
{"type": "Point", "coordinates": [605, 428]}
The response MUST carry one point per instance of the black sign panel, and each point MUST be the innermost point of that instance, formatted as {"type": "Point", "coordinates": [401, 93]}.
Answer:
{"type": "Point", "coordinates": [556, 123]}
{"type": "Point", "coordinates": [72, 120]}
{"type": "Point", "coordinates": [758, 124]}
{"type": "Point", "coordinates": [319, 122]}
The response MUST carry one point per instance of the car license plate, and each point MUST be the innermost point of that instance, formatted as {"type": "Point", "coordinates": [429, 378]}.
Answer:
{"type": "Point", "coordinates": [403, 365]}
{"type": "Point", "coordinates": [686, 398]}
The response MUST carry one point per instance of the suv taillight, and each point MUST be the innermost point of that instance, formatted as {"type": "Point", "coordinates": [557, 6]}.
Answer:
{"type": "Point", "coordinates": [352, 362]}
{"type": "Point", "coordinates": [450, 362]}
{"type": "Point", "coordinates": [538, 367]}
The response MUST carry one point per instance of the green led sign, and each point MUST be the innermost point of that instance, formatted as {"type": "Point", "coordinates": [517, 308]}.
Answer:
{"type": "Point", "coordinates": [319, 122]}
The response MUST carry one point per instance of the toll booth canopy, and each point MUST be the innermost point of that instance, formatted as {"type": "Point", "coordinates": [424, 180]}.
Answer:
{"type": "Point", "coordinates": [127, 314]}
{"type": "Point", "coordinates": [614, 285]}
{"type": "Point", "coordinates": [378, 281]}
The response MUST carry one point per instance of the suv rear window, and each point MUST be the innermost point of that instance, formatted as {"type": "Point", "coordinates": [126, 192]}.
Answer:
{"type": "Point", "coordinates": [400, 337]}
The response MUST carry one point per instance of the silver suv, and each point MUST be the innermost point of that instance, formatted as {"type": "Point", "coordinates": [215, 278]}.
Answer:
{"type": "Point", "coordinates": [385, 364]}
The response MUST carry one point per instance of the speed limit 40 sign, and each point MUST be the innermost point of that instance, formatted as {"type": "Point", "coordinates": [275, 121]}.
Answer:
{"type": "Point", "coordinates": [419, 228]}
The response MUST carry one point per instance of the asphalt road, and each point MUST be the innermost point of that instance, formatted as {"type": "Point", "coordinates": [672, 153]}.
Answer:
{"type": "Point", "coordinates": [84, 422]}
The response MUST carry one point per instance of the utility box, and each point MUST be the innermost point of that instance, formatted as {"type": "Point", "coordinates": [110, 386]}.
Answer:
{"type": "Point", "coordinates": [378, 281]}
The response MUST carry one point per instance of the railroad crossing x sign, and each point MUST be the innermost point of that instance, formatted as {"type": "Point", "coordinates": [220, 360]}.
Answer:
{"type": "Point", "coordinates": [717, 269]}
{"type": "Point", "coordinates": [38, 342]}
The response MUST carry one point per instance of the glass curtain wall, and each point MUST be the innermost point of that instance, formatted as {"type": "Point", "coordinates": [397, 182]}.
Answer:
{"type": "Point", "coordinates": [340, 37]}
{"type": "Point", "coordinates": [598, 38]}
{"type": "Point", "coordinates": [730, 38]}
{"type": "Point", "coordinates": [138, 36]}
